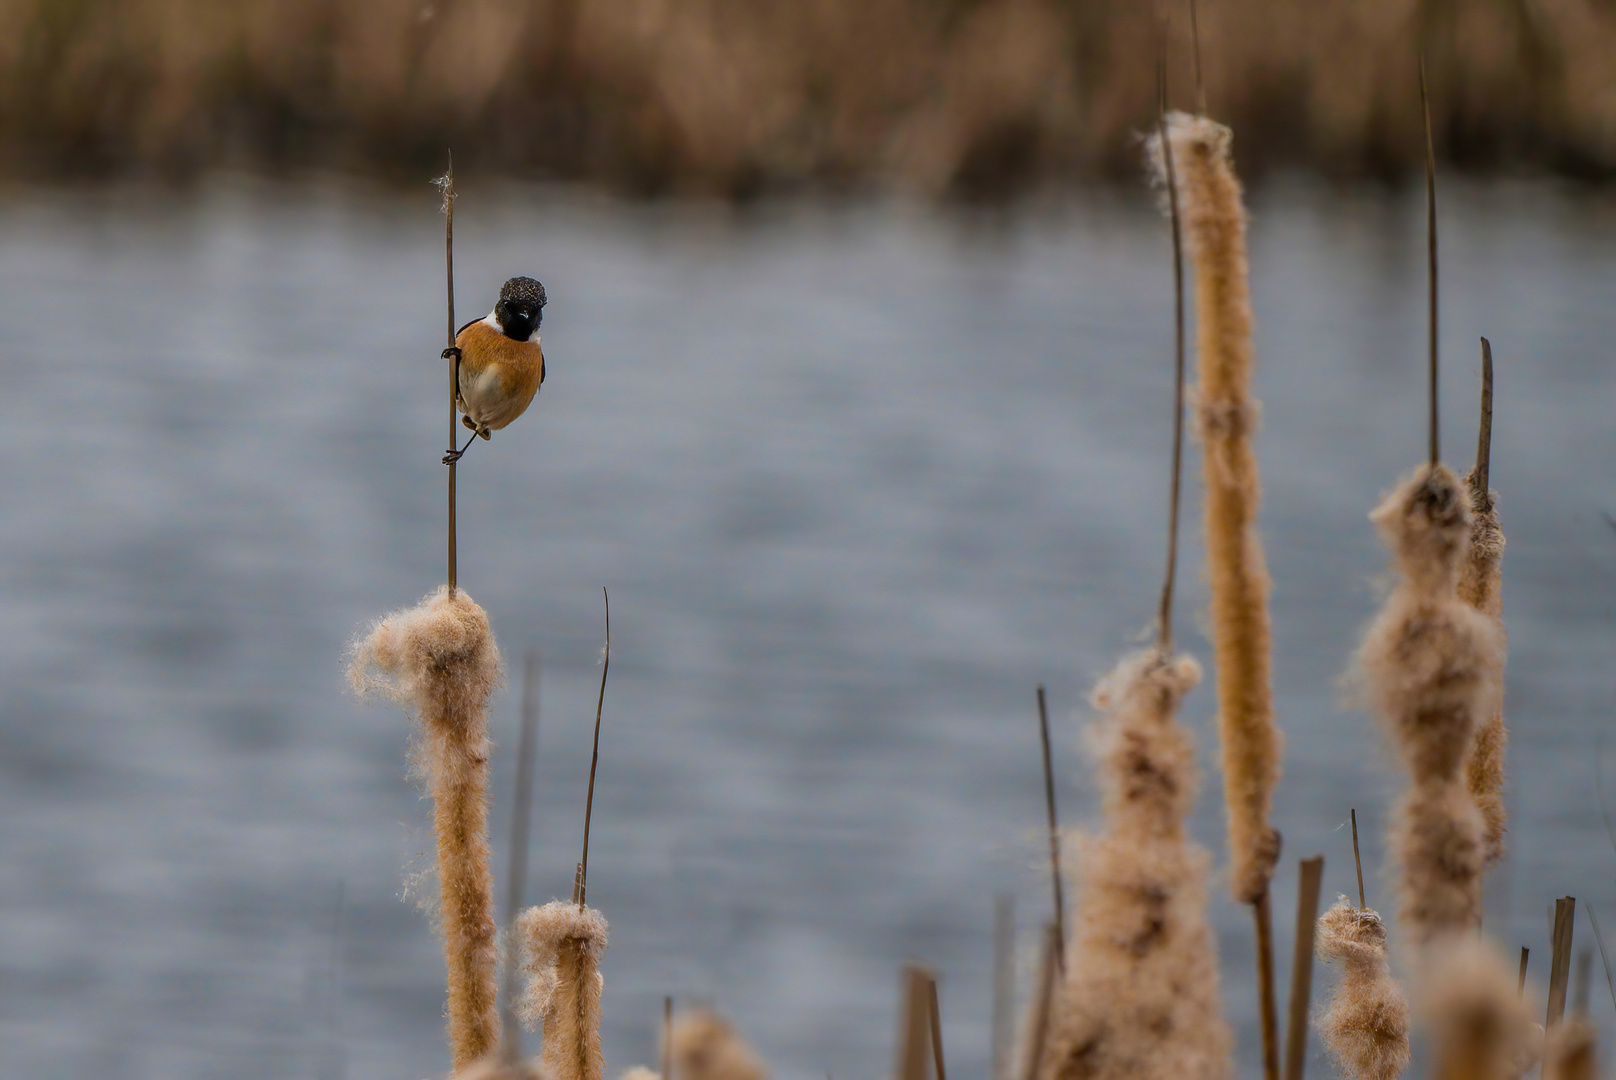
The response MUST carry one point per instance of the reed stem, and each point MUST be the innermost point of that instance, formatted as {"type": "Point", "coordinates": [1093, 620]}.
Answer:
{"type": "Point", "coordinates": [1164, 623]}
{"type": "Point", "coordinates": [450, 353]}
{"type": "Point", "coordinates": [594, 760]}
{"type": "Point", "coordinates": [1565, 917]}
{"type": "Point", "coordinates": [1263, 915]}
{"type": "Point", "coordinates": [1310, 874]}
{"type": "Point", "coordinates": [1054, 833]}
{"type": "Point", "coordinates": [1431, 262]}
{"type": "Point", "coordinates": [1357, 862]}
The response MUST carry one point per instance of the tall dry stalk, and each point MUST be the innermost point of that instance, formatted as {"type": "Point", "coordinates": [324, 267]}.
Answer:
{"type": "Point", "coordinates": [562, 945]}
{"type": "Point", "coordinates": [1481, 586]}
{"type": "Point", "coordinates": [1430, 664]}
{"type": "Point", "coordinates": [1209, 197]}
{"type": "Point", "coordinates": [439, 659]}
{"type": "Point", "coordinates": [706, 1048]}
{"type": "Point", "coordinates": [1365, 1025]}
{"type": "Point", "coordinates": [1140, 996]}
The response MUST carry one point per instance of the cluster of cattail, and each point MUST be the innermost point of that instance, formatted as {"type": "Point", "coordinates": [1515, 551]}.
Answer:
{"type": "Point", "coordinates": [1134, 994]}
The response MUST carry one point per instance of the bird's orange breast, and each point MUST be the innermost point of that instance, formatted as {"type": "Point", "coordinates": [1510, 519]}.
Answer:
{"type": "Point", "coordinates": [499, 376]}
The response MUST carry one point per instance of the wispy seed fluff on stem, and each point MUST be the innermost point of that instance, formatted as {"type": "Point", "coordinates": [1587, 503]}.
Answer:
{"type": "Point", "coordinates": [1481, 586]}
{"type": "Point", "coordinates": [1209, 197]}
{"type": "Point", "coordinates": [1140, 999]}
{"type": "Point", "coordinates": [705, 1048]}
{"type": "Point", "coordinates": [1430, 664]}
{"type": "Point", "coordinates": [1477, 1021]}
{"type": "Point", "coordinates": [440, 661]}
{"type": "Point", "coordinates": [1365, 1026]}
{"type": "Point", "coordinates": [562, 946]}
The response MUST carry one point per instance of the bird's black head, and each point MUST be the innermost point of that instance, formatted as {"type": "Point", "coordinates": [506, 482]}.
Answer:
{"type": "Point", "coordinates": [520, 308]}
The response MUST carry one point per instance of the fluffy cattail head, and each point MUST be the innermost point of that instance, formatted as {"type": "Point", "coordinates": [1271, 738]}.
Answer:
{"type": "Point", "coordinates": [1430, 662]}
{"type": "Point", "coordinates": [705, 1048]}
{"type": "Point", "coordinates": [1426, 523]}
{"type": "Point", "coordinates": [437, 658]}
{"type": "Point", "coordinates": [1572, 1052]}
{"type": "Point", "coordinates": [1365, 1025]}
{"type": "Point", "coordinates": [545, 933]}
{"type": "Point", "coordinates": [1149, 780]}
{"type": "Point", "coordinates": [1478, 1021]}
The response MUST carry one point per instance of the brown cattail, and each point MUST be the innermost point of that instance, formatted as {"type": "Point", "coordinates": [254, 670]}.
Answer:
{"type": "Point", "coordinates": [440, 660]}
{"type": "Point", "coordinates": [1365, 1026]}
{"type": "Point", "coordinates": [704, 1048]}
{"type": "Point", "coordinates": [1481, 586]}
{"type": "Point", "coordinates": [1430, 664]}
{"type": "Point", "coordinates": [1478, 1022]}
{"type": "Point", "coordinates": [1572, 1052]}
{"type": "Point", "coordinates": [1140, 996]}
{"type": "Point", "coordinates": [1215, 220]}
{"type": "Point", "coordinates": [562, 947]}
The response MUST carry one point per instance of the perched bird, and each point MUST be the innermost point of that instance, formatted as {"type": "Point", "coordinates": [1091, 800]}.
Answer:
{"type": "Point", "coordinates": [499, 362]}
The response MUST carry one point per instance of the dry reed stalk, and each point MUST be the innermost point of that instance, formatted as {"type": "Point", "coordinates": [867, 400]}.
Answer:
{"type": "Point", "coordinates": [1565, 921]}
{"type": "Point", "coordinates": [562, 947]}
{"type": "Point", "coordinates": [1036, 1037]}
{"type": "Point", "coordinates": [1055, 875]}
{"type": "Point", "coordinates": [1310, 876]}
{"type": "Point", "coordinates": [914, 1024]}
{"type": "Point", "coordinates": [1430, 664]}
{"type": "Point", "coordinates": [439, 659]}
{"type": "Point", "coordinates": [1481, 586]}
{"type": "Point", "coordinates": [1140, 997]}
{"type": "Point", "coordinates": [1365, 1025]}
{"type": "Point", "coordinates": [1209, 198]}
{"type": "Point", "coordinates": [705, 1048]}
{"type": "Point", "coordinates": [1478, 1023]}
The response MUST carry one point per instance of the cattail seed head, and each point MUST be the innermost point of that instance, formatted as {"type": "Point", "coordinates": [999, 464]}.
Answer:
{"type": "Point", "coordinates": [705, 1048]}
{"type": "Point", "coordinates": [1140, 998]}
{"type": "Point", "coordinates": [562, 946]}
{"type": "Point", "coordinates": [1365, 1025]}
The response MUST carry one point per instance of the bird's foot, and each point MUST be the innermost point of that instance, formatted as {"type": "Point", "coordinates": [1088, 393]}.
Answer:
{"type": "Point", "coordinates": [451, 353]}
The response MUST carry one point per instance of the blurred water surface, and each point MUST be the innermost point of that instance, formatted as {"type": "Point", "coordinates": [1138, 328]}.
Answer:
{"type": "Point", "coordinates": [858, 478]}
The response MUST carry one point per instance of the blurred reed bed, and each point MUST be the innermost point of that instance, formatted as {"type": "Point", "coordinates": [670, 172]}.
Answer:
{"type": "Point", "coordinates": [979, 98]}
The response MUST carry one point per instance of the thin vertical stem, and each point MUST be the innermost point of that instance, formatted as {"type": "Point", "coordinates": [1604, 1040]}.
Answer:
{"type": "Point", "coordinates": [1054, 833]}
{"type": "Point", "coordinates": [667, 1038]}
{"type": "Point", "coordinates": [1604, 958]}
{"type": "Point", "coordinates": [936, 1028]}
{"type": "Point", "coordinates": [1262, 913]}
{"type": "Point", "coordinates": [1311, 875]}
{"type": "Point", "coordinates": [1164, 619]}
{"type": "Point", "coordinates": [1357, 861]}
{"type": "Point", "coordinates": [1430, 243]}
{"type": "Point", "coordinates": [1484, 432]}
{"type": "Point", "coordinates": [446, 183]}
{"type": "Point", "coordinates": [912, 1041]}
{"type": "Point", "coordinates": [1004, 978]}
{"type": "Point", "coordinates": [1047, 978]}
{"type": "Point", "coordinates": [516, 867]}
{"type": "Point", "coordinates": [1520, 983]}
{"type": "Point", "coordinates": [1195, 41]}
{"type": "Point", "coordinates": [1565, 916]}
{"type": "Point", "coordinates": [594, 760]}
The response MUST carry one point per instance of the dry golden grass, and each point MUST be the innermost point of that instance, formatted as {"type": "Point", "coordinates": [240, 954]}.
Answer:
{"type": "Point", "coordinates": [978, 97]}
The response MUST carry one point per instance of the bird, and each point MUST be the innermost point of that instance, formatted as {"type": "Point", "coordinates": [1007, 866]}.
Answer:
{"type": "Point", "coordinates": [499, 362]}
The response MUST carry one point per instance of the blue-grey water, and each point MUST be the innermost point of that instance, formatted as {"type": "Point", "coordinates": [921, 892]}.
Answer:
{"type": "Point", "coordinates": [858, 478]}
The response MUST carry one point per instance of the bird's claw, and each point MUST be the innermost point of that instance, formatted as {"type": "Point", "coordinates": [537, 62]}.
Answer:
{"type": "Point", "coordinates": [451, 353]}
{"type": "Point", "coordinates": [453, 456]}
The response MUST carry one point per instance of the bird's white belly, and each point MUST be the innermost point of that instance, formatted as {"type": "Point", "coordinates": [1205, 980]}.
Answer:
{"type": "Point", "coordinates": [487, 401]}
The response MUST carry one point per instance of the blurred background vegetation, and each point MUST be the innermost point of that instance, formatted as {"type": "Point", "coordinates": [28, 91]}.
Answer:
{"type": "Point", "coordinates": [977, 98]}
